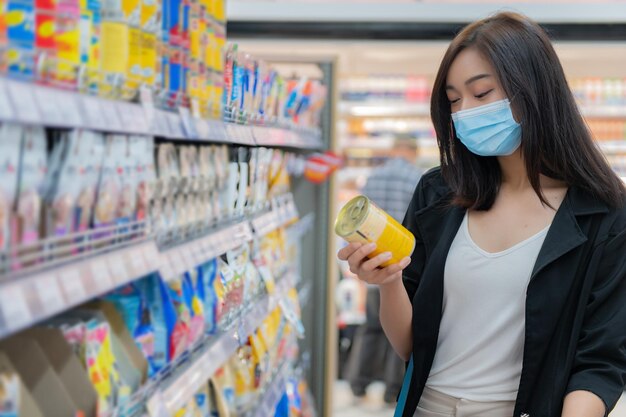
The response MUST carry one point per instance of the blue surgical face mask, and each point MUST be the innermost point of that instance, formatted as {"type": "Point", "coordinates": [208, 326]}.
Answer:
{"type": "Point", "coordinates": [488, 130]}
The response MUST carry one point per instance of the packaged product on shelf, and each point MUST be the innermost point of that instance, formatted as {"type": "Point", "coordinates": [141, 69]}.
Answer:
{"type": "Point", "coordinates": [90, 26]}
{"type": "Point", "coordinates": [224, 384]}
{"type": "Point", "coordinates": [15, 399]}
{"type": "Point", "coordinates": [205, 288]}
{"type": "Point", "coordinates": [170, 335]}
{"type": "Point", "coordinates": [238, 260]}
{"type": "Point", "coordinates": [222, 171]}
{"type": "Point", "coordinates": [67, 163]}
{"type": "Point", "coordinates": [109, 190]}
{"type": "Point", "coordinates": [10, 145]}
{"type": "Point", "coordinates": [241, 365]}
{"type": "Point", "coordinates": [168, 183]}
{"type": "Point", "coordinates": [260, 359]}
{"type": "Point", "coordinates": [183, 314]}
{"type": "Point", "coordinates": [127, 178]}
{"type": "Point", "coordinates": [92, 150]}
{"type": "Point", "coordinates": [67, 41]}
{"type": "Point", "coordinates": [91, 335]}
{"type": "Point", "coordinates": [143, 154]}
{"type": "Point", "coordinates": [253, 171]}
{"type": "Point", "coordinates": [194, 306]}
{"type": "Point", "coordinates": [127, 343]}
{"type": "Point", "coordinates": [229, 86]}
{"type": "Point", "coordinates": [208, 183]}
{"type": "Point", "coordinates": [20, 21]}
{"type": "Point", "coordinates": [242, 188]}
{"type": "Point", "coordinates": [203, 401]}
{"type": "Point", "coordinates": [229, 197]}
{"type": "Point", "coordinates": [132, 306]}
{"type": "Point", "coordinates": [32, 177]}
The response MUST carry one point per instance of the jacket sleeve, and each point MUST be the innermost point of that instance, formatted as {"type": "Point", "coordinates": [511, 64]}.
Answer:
{"type": "Point", "coordinates": [600, 361]}
{"type": "Point", "coordinates": [412, 274]}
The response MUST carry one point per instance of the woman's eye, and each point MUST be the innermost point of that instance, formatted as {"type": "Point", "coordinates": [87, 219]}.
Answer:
{"type": "Point", "coordinates": [456, 100]}
{"type": "Point", "coordinates": [481, 95]}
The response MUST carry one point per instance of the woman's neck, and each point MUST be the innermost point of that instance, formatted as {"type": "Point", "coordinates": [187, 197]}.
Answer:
{"type": "Point", "coordinates": [514, 174]}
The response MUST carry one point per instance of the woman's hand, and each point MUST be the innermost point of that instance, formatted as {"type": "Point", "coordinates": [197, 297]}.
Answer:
{"type": "Point", "coordinates": [369, 270]}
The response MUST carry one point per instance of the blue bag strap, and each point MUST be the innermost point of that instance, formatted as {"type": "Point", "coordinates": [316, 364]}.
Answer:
{"type": "Point", "coordinates": [404, 392]}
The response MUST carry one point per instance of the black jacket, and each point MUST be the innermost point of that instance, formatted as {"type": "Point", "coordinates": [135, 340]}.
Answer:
{"type": "Point", "coordinates": [575, 303]}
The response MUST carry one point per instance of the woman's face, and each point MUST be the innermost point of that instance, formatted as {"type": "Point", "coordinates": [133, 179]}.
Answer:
{"type": "Point", "coordinates": [472, 82]}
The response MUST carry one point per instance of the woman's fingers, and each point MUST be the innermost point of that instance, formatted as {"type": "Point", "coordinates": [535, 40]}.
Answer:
{"type": "Point", "coordinates": [357, 256]}
{"type": "Point", "coordinates": [371, 264]}
{"type": "Point", "coordinates": [395, 268]}
{"type": "Point", "coordinates": [345, 252]}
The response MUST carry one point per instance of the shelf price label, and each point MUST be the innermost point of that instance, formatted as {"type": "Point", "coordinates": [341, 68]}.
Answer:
{"type": "Point", "coordinates": [92, 112]}
{"type": "Point", "coordinates": [119, 271]}
{"type": "Point", "coordinates": [6, 109]}
{"type": "Point", "coordinates": [15, 311]}
{"type": "Point", "coordinates": [72, 286]}
{"type": "Point", "coordinates": [49, 293]}
{"type": "Point", "coordinates": [110, 116]}
{"type": "Point", "coordinates": [70, 110]}
{"type": "Point", "coordinates": [24, 102]}
{"type": "Point", "coordinates": [100, 275]}
{"type": "Point", "coordinates": [156, 405]}
{"type": "Point", "coordinates": [48, 105]}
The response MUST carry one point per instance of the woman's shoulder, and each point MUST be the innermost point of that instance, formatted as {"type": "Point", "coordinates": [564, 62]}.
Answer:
{"type": "Point", "coordinates": [431, 188]}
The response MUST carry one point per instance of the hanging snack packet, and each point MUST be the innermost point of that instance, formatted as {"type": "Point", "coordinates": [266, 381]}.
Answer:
{"type": "Point", "coordinates": [71, 176]}
{"type": "Point", "coordinates": [194, 305]}
{"type": "Point", "coordinates": [241, 364]}
{"type": "Point", "coordinates": [108, 194]}
{"type": "Point", "coordinates": [32, 177]}
{"type": "Point", "coordinates": [143, 153]}
{"type": "Point", "coordinates": [10, 143]}
{"type": "Point", "coordinates": [127, 201]}
{"type": "Point", "coordinates": [205, 289]}
{"type": "Point", "coordinates": [132, 305]}
{"type": "Point", "coordinates": [168, 335]}
{"type": "Point", "coordinates": [92, 153]}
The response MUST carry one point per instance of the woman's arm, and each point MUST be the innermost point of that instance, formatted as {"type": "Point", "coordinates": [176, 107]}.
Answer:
{"type": "Point", "coordinates": [583, 404]}
{"type": "Point", "coordinates": [396, 312]}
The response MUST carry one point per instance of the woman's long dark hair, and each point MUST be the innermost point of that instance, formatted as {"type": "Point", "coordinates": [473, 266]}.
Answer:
{"type": "Point", "coordinates": [555, 139]}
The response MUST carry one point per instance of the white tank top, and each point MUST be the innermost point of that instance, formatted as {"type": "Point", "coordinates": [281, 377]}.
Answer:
{"type": "Point", "coordinates": [481, 337]}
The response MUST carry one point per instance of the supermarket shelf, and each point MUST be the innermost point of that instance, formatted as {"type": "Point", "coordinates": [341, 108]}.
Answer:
{"type": "Point", "coordinates": [28, 296]}
{"type": "Point", "coordinates": [207, 361]}
{"type": "Point", "coordinates": [613, 147]}
{"type": "Point", "coordinates": [384, 109]}
{"type": "Point", "coordinates": [390, 108]}
{"type": "Point", "coordinates": [181, 258]}
{"type": "Point", "coordinates": [40, 105]}
{"type": "Point", "coordinates": [33, 298]}
{"type": "Point", "coordinates": [604, 111]}
{"type": "Point", "coordinates": [273, 393]}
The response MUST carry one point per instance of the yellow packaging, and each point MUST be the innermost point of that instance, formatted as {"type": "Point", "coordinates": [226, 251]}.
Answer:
{"type": "Point", "coordinates": [114, 49]}
{"type": "Point", "coordinates": [149, 57]}
{"type": "Point", "coordinates": [67, 40]}
{"type": "Point", "coordinates": [134, 62]}
{"type": "Point", "coordinates": [362, 221]}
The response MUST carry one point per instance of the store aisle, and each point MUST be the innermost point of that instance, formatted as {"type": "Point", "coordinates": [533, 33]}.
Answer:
{"type": "Point", "coordinates": [345, 405]}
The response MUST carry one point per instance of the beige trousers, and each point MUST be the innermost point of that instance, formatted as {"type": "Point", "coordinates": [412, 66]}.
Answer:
{"type": "Point", "coordinates": [436, 404]}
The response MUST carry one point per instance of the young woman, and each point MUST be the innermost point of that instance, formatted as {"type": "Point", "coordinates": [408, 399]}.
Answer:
{"type": "Point", "coordinates": [514, 300]}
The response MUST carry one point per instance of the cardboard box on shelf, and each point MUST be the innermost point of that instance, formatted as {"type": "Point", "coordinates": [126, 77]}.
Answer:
{"type": "Point", "coordinates": [67, 366]}
{"type": "Point", "coordinates": [39, 376]}
{"type": "Point", "coordinates": [27, 405]}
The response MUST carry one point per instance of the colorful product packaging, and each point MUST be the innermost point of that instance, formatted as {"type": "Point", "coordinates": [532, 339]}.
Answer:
{"type": "Point", "coordinates": [20, 24]}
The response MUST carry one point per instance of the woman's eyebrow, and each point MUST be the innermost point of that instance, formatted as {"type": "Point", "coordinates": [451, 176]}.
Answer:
{"type": "Point", "coordinates": [469, 81]}
{"type": "Point", "coordinates": [476, 78]}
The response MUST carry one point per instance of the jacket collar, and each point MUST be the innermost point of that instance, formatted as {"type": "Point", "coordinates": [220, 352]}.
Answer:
{"type": "Point", "coordinates": [563, 236]}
